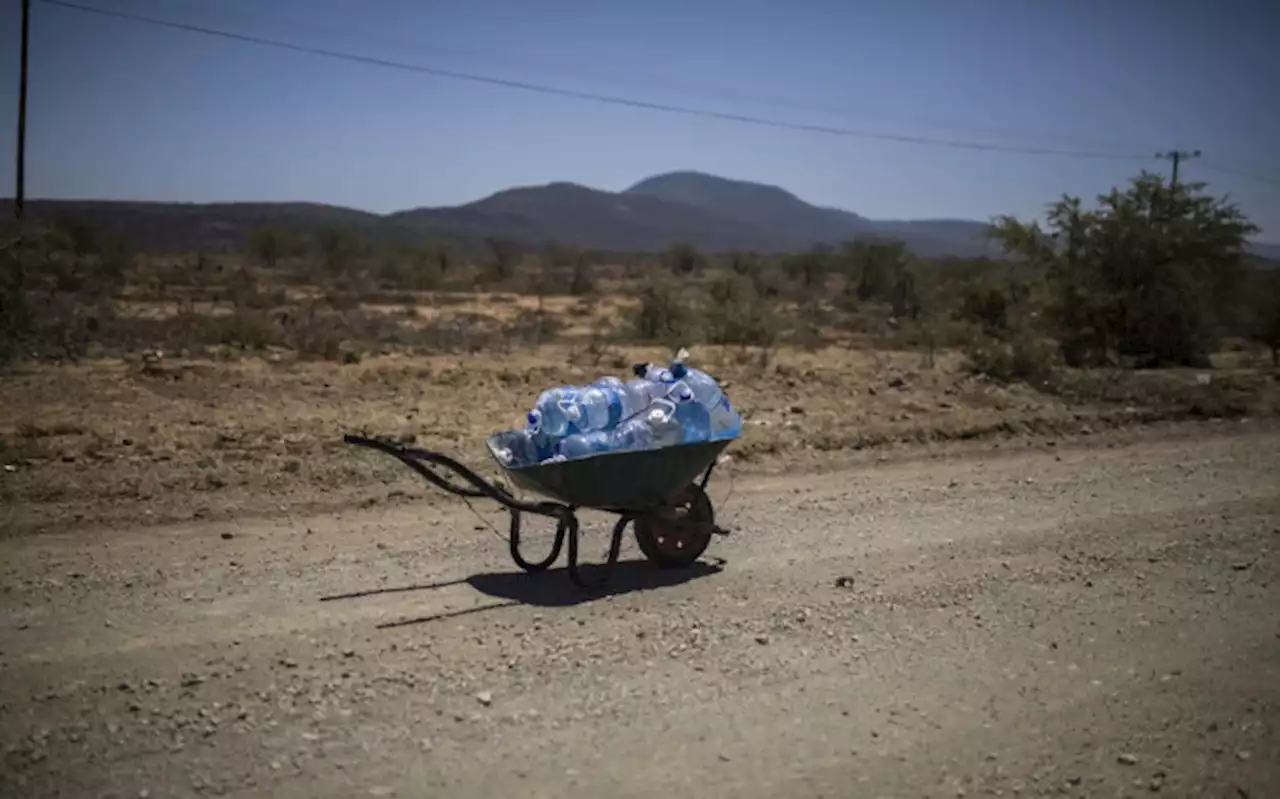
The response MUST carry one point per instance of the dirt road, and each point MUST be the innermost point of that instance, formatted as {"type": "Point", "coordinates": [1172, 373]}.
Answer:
{"type": "Point", "coordinates": [1089, 622]}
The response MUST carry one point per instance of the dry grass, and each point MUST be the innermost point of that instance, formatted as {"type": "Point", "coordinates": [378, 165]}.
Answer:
{"type": "Point", "coordinates": [205, 438]}
{"type": "Point", "coordinates": [262, 372]}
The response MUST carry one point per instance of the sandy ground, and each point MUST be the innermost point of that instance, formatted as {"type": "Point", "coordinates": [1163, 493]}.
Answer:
{"type": "Point", "coordinates": [117, 443]}
{"type": "Point", "coordinates": [1090, 620]}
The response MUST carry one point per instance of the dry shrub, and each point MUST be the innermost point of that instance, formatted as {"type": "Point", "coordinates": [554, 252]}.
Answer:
{"type": "Point", "coordinates": [1022, 357]}
{"type": "Point", "coordinates": [737, 314]}
{"type": "Point", "coordinates": [419, 271]}
{"type": "Point", "coordinates": [581, 280]}
{"type": "Point", "coordinates": [662, 315]}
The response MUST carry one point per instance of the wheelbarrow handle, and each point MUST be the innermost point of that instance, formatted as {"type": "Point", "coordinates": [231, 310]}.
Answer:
{"type": "Point", "coordinates": [473, 487]}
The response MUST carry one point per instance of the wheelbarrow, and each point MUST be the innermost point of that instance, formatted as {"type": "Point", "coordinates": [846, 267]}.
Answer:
{"type": "Point", "coordinates": [660, 493]}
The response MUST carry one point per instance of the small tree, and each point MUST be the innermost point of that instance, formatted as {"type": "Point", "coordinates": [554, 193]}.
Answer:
{"type": "Point", "coordinates": [1147, 275]}
{"type": "Point", "coordinates": [268, 244]}
{"type": "Point", "coordinates": [809, 268]}
{"type": "Point", "coordinates": [441, 254]}
{"type": "Point", "coordinates": [339, 247]}
{"type": "Point", "coordinates": [987, 306]}
{"type": "Point", "coordinates": [502, 261]}
{"type": "Point", "coordinates": [743, 263]}
{"type": "Point", "coordinates": [738, 314]}
{"type": "Point", "coordinates": [661, 316]}
{"type": "Point", "coordinates": [683, 258]}
{"type": "Point", "coordinates": [580, 282]}
{"type": "Point", "coordinates": [876, 270]}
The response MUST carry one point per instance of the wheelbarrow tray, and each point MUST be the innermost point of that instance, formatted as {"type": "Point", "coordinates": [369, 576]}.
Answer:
{"type": "Point", "coordinates": [634, 480]}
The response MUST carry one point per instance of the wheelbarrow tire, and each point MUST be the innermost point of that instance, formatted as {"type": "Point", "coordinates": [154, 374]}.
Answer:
{"type": "Point", "coordinates": [677, 535]}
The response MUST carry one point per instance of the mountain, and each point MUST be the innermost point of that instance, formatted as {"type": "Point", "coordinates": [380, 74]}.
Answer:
{"type": "Point", "coordinates": [1269, 252]}
{"type": "Point", "coordinates": [159, 226]}
{"type": "Point", "coordinates": [794, 224]}
{"type": "Point", "coordinates": [711, 212]}
{"type": "Point", "coordinates": [574, 214]}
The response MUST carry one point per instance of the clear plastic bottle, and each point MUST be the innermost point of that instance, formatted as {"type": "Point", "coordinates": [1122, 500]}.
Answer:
{"type": "Point", "coordinates": [600, 408]}
{"type": "Point", "coordinates": [550, 415]}
{"type": "Point", "coordinates": [608, 381]}
{"type": "Point", "coordinates": [518, 450]}
{"type": "Point", "coordinates": [694, 419]}
{"type": "Point", "coordinates": [582, 445]}
{"type": "Point", "coordinates": [662, 421]}
{"type": "Point", "coordinates": [643, 391]}
{"type": "Point", "coordinates": [633, 434]}
{"type": "Point", "coordinates": [725, 422]}
{"type": "Point", "coordinates": [659, 374]}
{"type": "Point", "coordinates": [544, 444]}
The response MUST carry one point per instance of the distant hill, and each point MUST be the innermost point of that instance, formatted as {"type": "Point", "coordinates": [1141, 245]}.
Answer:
{"type": "Point", "coordinates": [206, 226]}
{"type": "Point", "coordinates": [592, 218]}
{"type": "Point", "coordinates": [711, 212]}
{"type": "Point", "coordinates": [1269, 252]}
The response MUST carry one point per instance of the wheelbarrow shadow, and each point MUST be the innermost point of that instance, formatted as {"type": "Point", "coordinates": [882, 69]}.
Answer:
{"type": "Point", "coordinates": [550, 588]}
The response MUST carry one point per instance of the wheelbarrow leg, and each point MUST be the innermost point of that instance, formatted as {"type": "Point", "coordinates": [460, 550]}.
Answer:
{"type": "Point", "coordinates": [615, 548]}
{"type": "Point", "coordinates": [514, 540]}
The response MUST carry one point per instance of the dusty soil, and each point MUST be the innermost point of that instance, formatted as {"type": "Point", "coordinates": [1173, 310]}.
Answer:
{"type": "Point", "coordinates": [1091, 619]}
{"type": "Point", "coordinates": [123, 442]}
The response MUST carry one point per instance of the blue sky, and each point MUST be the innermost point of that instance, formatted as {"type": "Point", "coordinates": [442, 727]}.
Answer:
{"type": "Point", "coordinates": [123, 110]}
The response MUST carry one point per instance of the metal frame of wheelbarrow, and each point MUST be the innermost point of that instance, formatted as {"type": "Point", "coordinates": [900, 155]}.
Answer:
{"type": "Point", "coordinates": [661, 493]}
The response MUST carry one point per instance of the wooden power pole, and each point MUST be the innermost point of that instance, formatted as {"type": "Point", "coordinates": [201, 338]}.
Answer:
{"type": "Point", "coordinates": [1177, 157]}
{"type": "Point", "coordinates": [19, 173]}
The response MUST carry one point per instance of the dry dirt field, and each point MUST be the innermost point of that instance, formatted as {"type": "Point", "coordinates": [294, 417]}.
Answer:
{"type": "Point", "coordinates": [937, 586]}
{"type": "Point", "coordinates": [1089, 619]}
{"type": "Point", "coordinates": [120, 442]}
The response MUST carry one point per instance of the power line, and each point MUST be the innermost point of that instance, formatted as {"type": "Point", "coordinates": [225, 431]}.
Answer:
{"type": "Point", "coordinates": [1260, 178]}
{"type": "Point", "coordinates": [719, 93]}
{"type": "Point", "coordinates": [600, 98]}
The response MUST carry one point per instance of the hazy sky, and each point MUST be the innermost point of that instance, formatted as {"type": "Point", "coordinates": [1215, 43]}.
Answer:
{"type": "Point", "coordinates": [125, 110]}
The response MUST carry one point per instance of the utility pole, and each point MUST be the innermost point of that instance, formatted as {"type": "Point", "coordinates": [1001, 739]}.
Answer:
{"type": "Point", "coordinates": [19, 173]}
{"type": "Point", "coordinates": [1177, 156]}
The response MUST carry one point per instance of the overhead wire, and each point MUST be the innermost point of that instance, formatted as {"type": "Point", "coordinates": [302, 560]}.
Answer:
{"type": "Point", "coordinates": [1243, 174]}
{"type": "Point", "coordinates": [687, 110]}
{"type": "Point", "coordinates": [650, 82]}
{"type": "Point", "coordinates": [610, 99]}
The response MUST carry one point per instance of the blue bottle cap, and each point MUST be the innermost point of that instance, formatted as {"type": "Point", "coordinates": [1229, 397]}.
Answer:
{"type": "Point", "coordinates": [679, 370]}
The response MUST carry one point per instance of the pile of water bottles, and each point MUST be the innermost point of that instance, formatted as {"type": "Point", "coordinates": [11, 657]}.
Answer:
{"type": "Point", "coordinates": [658, 407]}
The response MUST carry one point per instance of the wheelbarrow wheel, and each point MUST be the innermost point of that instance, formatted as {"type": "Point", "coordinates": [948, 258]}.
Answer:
{"type": "Point", "coordinates": [678, 534]}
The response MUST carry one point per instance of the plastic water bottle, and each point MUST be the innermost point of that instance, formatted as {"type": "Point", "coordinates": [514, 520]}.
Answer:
{"type": "Point", "coordinates": [725, 422]}
{"type": "Point", "coordinates": [599, 408]}
{"type": "Point", "coordinates": [581, 445]}
{"type": "Point", "coordinates": [654, 373]}
{"type": "Point", "coordinates": [633, 434]}
{"type": "Point", "coordinates": [694, 419]}
{"type": "Point", "coordinates": [608, 381]}
{"type": "Point", "coordinates": [519, 450]}
{"type": "Point", "coordinates": [549, 418]}
{"type": "Point", "coordinates": [643, 392]}
{"type": "Point", "coordinates": [543, 443]}
{"type": "Point", "coordinates": [704, 386]}
{"type": "Point", "coordinates": [662, 421]}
